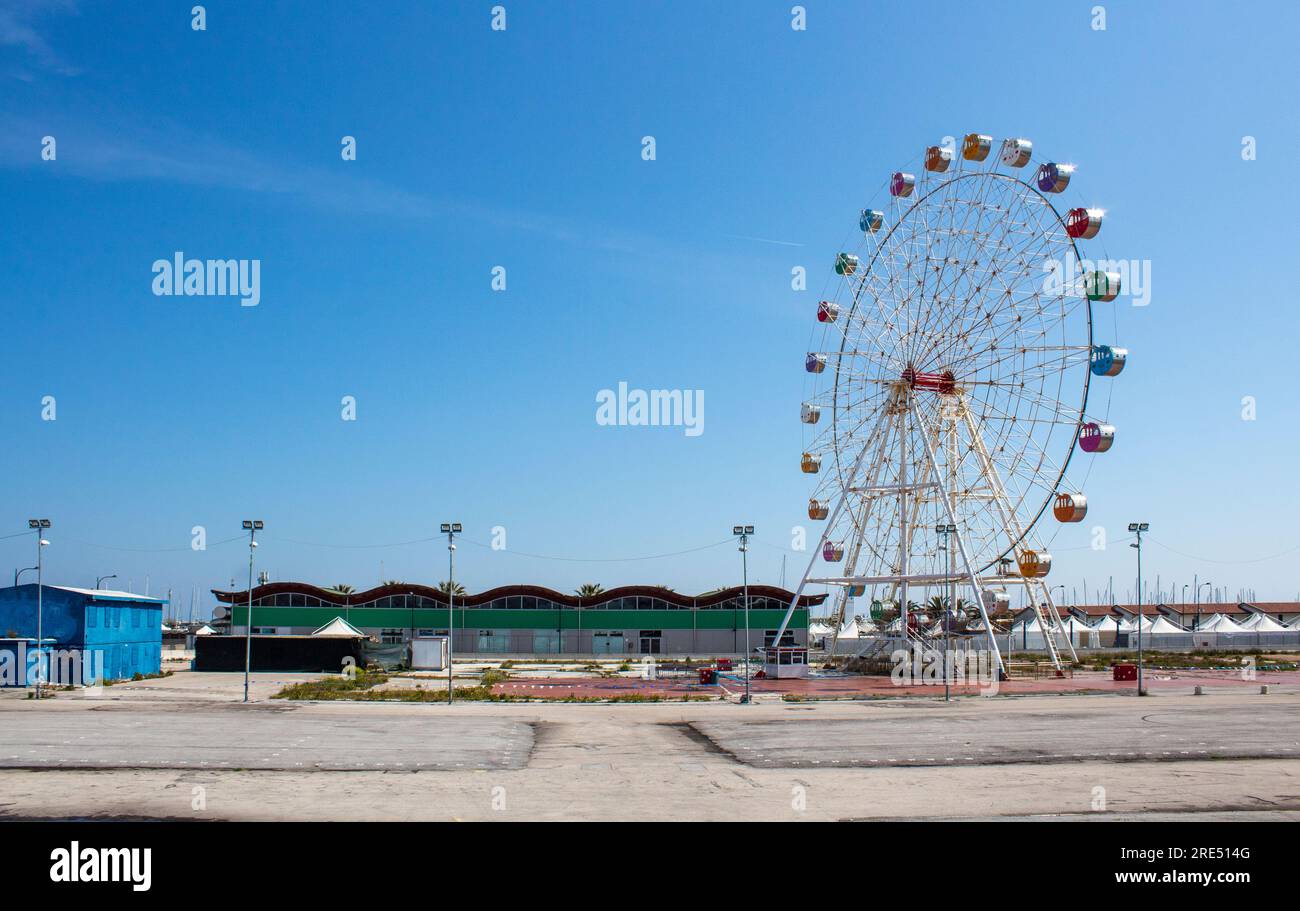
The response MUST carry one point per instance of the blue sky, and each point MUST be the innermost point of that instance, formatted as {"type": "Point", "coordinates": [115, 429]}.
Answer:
{"type": "Point", "coordinates": [522, 149]}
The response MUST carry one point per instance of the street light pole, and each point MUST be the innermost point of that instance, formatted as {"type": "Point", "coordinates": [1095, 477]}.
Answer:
{"type": "Point", "coordinates": [1137, 528]}
{"type": "Point", "coordinates": [744, 531]}
{"type": "Point", "coordinates": [1198, 603]}
{"type": "Point", "coordinates": [102, 579]}
{"type": "Point", "coordinates": [19, 572]}
{"type": "Point", "coordinates": [451, 529]}
{"type": "Point", "coordinates": [945, 531]}
{"type": "Point", "coordinates": [39, 525]}
{"type": "Point", "coordinates": [252, 526]}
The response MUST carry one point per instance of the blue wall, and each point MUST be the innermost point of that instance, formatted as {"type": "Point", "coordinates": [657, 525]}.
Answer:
{"type": "Point", "coordinates": [128, 630]}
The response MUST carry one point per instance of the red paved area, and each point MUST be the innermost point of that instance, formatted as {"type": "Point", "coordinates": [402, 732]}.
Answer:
{"type": "Point", "coordinates": [868, 687]}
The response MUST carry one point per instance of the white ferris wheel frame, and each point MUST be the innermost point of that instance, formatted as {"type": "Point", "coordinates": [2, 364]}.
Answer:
{"type": "Point", "coordinates": [900, 406]}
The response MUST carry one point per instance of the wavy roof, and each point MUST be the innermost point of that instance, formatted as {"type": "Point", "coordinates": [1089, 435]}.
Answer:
{"type": "Point", "coordinates": [506, 591]}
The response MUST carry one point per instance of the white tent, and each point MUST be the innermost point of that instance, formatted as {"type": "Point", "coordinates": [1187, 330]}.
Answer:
{"type": "Point", "coordinates": [1263, 623]}
{"type": "Point", "coordinates": [1075, 625]}
{"type": "Point", "coordinates": [1218, 623]}
{"type": "Point", "coordinates": [204, 630]}
{"type": "Point", "coordinates": [851, 630]}
{"type": "Point", "coordinates": [1162, 625]}
{"type": "Point", "coordinates": [1111, 624]}
{"type": "Point", "coordinates": [338, 627]}
{"type": "Point", "coordinates": [817, 629]}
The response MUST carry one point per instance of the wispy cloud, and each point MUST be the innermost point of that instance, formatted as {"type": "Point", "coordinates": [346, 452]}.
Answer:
{"type": "Point", "coordinates": [766, 240]}
{"type": "Point", "coordinates": [18, 29]}
{"type": "Point", "coordinates": [167, 152]}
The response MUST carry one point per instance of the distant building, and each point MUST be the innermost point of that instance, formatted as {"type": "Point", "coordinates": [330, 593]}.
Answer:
{"type": "Point", "coordinates": [527, 619]}
{"type": "Point", "coordinates": [120, 631]}
{"type": "Point", "coordinates": [1186, 615]}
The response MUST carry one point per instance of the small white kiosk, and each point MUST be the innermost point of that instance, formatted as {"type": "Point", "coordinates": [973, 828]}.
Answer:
{"type": "Point", "coordinates": [429, 653]}
{"type": "Point", "coordinates": [784, 661]}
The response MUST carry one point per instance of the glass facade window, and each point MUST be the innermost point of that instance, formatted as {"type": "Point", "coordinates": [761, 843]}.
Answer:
{"type": "Point", "coordinates": [493, 641]}
{"type": "Point", "coordinates": [786, 639]}
{"type": "Point", "coordinates": [546, 642]}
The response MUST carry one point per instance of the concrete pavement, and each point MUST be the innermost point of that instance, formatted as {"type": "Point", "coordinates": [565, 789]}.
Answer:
{"type": "Point", "coordinates": [140, 756]}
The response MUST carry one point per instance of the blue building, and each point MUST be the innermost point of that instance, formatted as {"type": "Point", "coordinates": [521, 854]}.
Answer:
{"type": "Point", "coordinates": [119, 629]}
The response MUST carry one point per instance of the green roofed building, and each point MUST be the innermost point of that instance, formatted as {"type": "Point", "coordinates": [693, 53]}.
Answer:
{"type": "Point", "coordinates": [530, 620]}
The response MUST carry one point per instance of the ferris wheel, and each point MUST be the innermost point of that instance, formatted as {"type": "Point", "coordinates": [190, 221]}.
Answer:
{"type": "Point", "coordinates": [952, 386]}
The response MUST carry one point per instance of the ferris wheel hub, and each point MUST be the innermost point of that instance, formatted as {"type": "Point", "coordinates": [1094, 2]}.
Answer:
{"type": "Point", "coordinates": [944, 383]}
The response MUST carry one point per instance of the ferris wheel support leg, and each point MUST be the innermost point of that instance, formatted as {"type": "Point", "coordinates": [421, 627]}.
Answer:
{"type": "Point", "coordinates": [860, 522]}
{"type": "Point", "coordinates": [946, 495]}
{"type": "Point", "coordinates": [1049, 620]}
{"type": "Point", "coordinates": [830, 525]}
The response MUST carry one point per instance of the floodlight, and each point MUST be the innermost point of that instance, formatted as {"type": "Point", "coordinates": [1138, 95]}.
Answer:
{"type": "Point", "coordinates": [749, 529]}
{"type": "Point", "coordinates": [737, 529]}
{"type": "Point", "coordinates": [446, 526]}
{"type": "Point", "coordinates": [455, 526]}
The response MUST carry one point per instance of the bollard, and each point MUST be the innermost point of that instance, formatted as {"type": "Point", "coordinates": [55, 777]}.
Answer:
{"type": "Point", "coordinates": [1263, 690]}
{"type": "Point", "coordinates": [1200, 691]}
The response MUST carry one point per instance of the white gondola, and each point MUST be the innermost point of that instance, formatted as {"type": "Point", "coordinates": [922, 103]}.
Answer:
{"type": "Point", "coordinates": [902, 184]}
{"type": "Point", "coordinates": [937, 158]}
{"type": "Point", "coordinates": [810, 464]}
{"type": "Point", "coordinates": [818, 509]}
{"type": "Point", "coordinates": [815, 363]}
{"type": "Point", "coordinates": [871, 220]}
{"type": "Point", "coordinates": [827, 312]}
{"type": "Point", "coordinates": [1070, 507]}
{"type": "Point", "coordinates": [1053, 177]}
{"type": "Point", "coordinates": [809, 413]}
{"type": "Point", "coordinates": [1017, 152]}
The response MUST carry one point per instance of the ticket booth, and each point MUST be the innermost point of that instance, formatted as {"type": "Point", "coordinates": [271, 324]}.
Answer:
{"type": "Point", "coordinates": [429, 653]}
{"type": "Point", "coordinates": [784, 661]}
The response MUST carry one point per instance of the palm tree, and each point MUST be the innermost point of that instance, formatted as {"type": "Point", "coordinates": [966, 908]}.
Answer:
{"type": "Point", "coordinates": [936, 605]}
{"type": "Point", "coordinates": [342, 588]}
{"type": "Point", "coordinates": [589, 590]}
{"type": "Point", "coordinates": [446, 587]}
